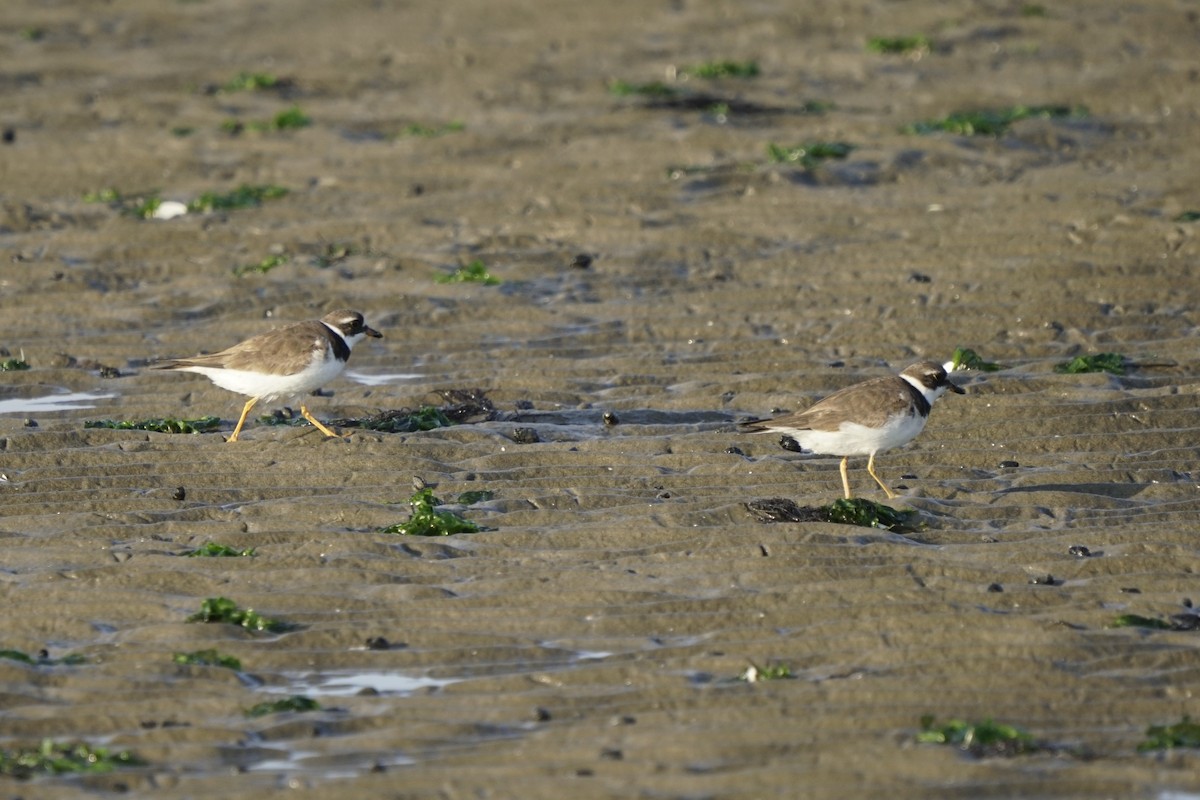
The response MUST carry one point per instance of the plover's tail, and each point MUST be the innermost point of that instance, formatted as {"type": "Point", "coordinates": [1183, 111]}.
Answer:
{"type": "Point", "coordinates": [755, 426]}
{"type": "Point", "coordinates": [207, 360]}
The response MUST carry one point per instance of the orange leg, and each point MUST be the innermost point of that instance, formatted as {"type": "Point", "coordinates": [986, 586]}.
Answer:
{"type": "Point", "coordinates": [845, 477]}
{"type": "Point", "coordinates": [242, 420]}
{"type": "Point", "coordinates": [315, 422]}
{"type": "Point", "coordinates": [882, 485]}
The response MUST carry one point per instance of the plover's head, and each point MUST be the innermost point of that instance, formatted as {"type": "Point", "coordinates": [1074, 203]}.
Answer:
{"type": "Point", "coordinates": [930, 379]}
{"type": "Point", "coordinates": [350, 325]}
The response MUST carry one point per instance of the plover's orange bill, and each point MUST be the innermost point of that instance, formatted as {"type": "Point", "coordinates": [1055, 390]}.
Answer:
{"type": "Point", "coordinates": [290, 361]}
{"type": "Point", "coordinates": [866, 418]}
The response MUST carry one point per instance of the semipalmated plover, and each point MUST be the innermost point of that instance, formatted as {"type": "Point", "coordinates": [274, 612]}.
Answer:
{"type": "Point", "coordinates": [866, 418]}
{"type": "Point", "coordinates": [290, 361]}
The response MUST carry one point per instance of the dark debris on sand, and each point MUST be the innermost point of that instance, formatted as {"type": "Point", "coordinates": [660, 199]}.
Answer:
{"type": "Point", "coordinates": [850, 511]}
{"type": "Point", "coordinates": [461, 407]}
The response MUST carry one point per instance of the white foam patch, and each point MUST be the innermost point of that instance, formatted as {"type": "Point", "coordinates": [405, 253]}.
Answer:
{"type": "Point", "coordinates": [345, 684]}
{"type": "Point", "coordinates": [55, 402]}
{"type": "Point", "coordinates": [382, 380]}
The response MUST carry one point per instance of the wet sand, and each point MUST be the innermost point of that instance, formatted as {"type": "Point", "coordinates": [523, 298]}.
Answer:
{"type": "Point", "coordinates": [588, 644]}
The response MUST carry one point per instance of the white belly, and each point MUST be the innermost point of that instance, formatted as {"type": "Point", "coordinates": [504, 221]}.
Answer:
{"type": "Point", "coordinates": [852, 439]}
{"type": "Point", "coordinates": [272, 387]}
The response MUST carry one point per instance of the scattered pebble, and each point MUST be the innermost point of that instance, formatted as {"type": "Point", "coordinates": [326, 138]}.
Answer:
{"type": "Point", "coordinates": [525, 436]}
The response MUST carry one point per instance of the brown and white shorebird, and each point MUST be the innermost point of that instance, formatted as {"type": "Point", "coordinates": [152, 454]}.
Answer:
{"type": "Point", "coordinates": [289, 361]}
{"type": "Point", "coordinates": [866, 418]}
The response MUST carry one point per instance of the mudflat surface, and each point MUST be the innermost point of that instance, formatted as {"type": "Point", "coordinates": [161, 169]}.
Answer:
{"type": "Point", "coordinates": [589, 643]}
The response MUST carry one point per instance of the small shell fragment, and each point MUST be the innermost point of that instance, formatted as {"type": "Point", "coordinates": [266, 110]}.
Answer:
{"type": "Point", "coordinates": [170, 209]}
